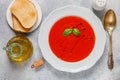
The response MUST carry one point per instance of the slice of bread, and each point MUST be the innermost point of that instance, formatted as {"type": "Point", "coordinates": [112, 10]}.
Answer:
{"type": "Point", "coordinates": [17, 26]}
{"type": "Point", "coordinates": [25, 12]}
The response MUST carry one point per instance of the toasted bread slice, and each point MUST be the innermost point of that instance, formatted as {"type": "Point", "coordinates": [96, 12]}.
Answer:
{"type": "Point", "coordinates": [25, 12]}
{"type": "Point", "coordinates": [17, 26]}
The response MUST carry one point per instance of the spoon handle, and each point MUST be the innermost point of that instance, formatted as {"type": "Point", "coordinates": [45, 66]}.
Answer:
{"type": "Point", "coordinates": [110, 55]}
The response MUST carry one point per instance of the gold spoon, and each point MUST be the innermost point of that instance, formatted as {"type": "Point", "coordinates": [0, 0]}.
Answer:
{"type": "Point", "coordinates": [109, 25]}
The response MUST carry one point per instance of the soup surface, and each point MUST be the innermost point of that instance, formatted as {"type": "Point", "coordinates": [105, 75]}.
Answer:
{"type": "Point", "coordinates": [71, 39]}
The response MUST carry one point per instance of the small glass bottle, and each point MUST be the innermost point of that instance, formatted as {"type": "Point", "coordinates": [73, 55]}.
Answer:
{"type": "Point", "coordinates": [19, 48]}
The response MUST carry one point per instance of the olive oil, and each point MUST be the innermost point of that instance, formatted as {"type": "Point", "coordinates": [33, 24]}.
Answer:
{"type": "Point", "coordinates": [19, 49]}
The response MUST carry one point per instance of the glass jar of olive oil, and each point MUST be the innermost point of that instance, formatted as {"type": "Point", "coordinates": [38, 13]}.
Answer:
{"type": "Point", "coordinates": [19, 49]}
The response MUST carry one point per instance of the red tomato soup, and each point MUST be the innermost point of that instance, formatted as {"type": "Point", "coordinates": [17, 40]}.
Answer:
{"type": "Point", "coordinates": [71, 47]}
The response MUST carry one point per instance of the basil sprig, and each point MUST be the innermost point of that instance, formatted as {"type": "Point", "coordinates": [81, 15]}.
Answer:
{"type": "Point", "coordinates": [69, 31]}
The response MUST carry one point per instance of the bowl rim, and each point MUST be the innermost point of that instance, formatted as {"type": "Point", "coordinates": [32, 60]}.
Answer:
{"type": "Point", "coordinates": [92, 19]}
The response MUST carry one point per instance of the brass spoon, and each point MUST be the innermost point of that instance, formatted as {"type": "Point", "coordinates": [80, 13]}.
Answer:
{"type": "Point", "coordinates": [109, 25]}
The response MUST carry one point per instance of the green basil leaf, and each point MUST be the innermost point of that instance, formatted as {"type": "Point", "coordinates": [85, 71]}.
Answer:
{"type": "Point", "coordinates": [76, 32]}
{"type": "Point", "coordinates": [67, 32]}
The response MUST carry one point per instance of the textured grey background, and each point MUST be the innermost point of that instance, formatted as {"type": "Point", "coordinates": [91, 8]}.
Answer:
{"type": "Point", "coordinates": [12, 71]}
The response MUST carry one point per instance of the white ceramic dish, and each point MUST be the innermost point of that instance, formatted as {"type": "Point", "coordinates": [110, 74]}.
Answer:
{"type": "Point", "coordinates": [96, 53]}
{"type": "Point", "coordinates": [9, 16]}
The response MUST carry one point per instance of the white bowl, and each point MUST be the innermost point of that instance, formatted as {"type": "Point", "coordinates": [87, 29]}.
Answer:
{"type": "Point", "coordinates": [97, 51]}
{"type": "Point", "coordinates": [9, 16]}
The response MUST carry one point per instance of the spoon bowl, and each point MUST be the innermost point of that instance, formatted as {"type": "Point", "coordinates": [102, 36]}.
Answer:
{"type": "Point", "coordinates": [110, 20]}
